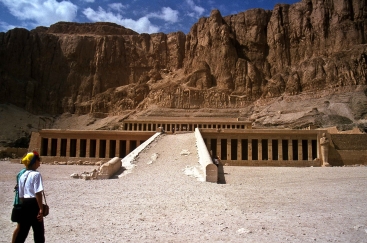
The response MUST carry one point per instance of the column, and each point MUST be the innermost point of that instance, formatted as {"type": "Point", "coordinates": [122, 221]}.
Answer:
{"type": "Point", "coordinates": [290, 149]}
{"type": "Point", "coordinates": [260, 149]}
{"type": "Point", "coordinates": [58, 149]}
{"type": "Point", "coordinates": [270, 149]}
{"type": "Point", "coordinates": [68, 147]}
{"type": "Point", "coordinates": [127, 147]}
{"type": "Point", "coordinates": [280, 150]}
{"type": "Point", "coordinates": [229, 149]}
{"type": "Point", "coordinates": [77, 148]}
{"type": "Point", "coordinates": [300, 156]}
{"type": "Point", "coordinates": [49, 143]}
{"type": "Point", "coordinates": [87, 149]}
{"type": "Point", "coordinates": [117, 151]}
{"type": "Point", "coordinates": [309, 145]}
{"type": "Point", "coordinates": [239, 149]}
{"type": "Point", "coordinates": [249, 144]}
{"type": "Point", "coordinates": [97, 147]}
{"type": "Point", "coordinates": [108, 146]}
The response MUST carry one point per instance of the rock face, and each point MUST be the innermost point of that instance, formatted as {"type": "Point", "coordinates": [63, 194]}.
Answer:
{"type": "Point", "coordinates": [237, 61]}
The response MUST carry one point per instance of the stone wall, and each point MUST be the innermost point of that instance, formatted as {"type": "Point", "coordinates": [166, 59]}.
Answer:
{"type": "Point", "coordinates": [348, 149]}
{"type": "Point", "coordinates": [210, 170]}
{"type": "Point", "coordinates": [12, 152]}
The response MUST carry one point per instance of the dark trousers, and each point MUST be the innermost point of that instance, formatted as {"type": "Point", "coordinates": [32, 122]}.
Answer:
{"type": "Point", "coordinates": [29, 219]}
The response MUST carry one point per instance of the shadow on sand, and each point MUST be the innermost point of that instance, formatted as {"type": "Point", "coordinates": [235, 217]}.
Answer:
{"type": "Point", "coordinates": [221, 175]}
{"type": "Point", "coordinates": [116, 175]}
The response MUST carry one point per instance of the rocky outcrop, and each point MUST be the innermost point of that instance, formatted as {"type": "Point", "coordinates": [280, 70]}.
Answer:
{"type": "Point", "coordinates": [237, 61]}
{"type": "Point", "coordinates": [55, 70]}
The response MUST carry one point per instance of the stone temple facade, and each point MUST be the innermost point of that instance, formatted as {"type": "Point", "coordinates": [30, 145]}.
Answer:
{"type": "Point", "coordinates": [234, 141]}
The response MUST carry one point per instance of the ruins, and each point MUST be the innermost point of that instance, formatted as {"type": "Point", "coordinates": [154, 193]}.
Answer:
{"type": "Point", "coordinates": [235, 142]}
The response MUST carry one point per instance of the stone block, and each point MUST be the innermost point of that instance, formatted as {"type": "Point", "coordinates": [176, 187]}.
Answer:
{"type": "Point", "coordinates": [110, 168]}
{"type": "Point", "coordinates": [211, 173]}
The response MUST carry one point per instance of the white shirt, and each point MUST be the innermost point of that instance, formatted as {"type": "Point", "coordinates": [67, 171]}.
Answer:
{"type": "Point", "coordinates": [32, 185]}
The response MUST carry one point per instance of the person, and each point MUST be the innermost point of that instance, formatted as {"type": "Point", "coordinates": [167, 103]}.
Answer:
{"type": "Point", "coordinates": [30, 194]}
{"type": "Point", "coordinates": [16, 202]}
{"type": "Point", "coordinates": [216, 160]}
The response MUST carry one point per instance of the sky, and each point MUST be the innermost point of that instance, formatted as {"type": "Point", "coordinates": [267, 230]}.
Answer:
{"type": "Point", "coordinates": [142, 16]}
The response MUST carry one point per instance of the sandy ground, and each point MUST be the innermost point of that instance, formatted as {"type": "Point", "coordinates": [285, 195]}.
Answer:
{"type": "Point", "coordinates": [159, 202]}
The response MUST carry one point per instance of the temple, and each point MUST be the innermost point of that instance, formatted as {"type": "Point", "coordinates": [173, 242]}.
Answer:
{"type": "Point", "coordinates": [234, 141]}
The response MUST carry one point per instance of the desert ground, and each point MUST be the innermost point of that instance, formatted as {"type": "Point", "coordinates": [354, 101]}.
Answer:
{"type": "Point", "coordinates": [164, 200]}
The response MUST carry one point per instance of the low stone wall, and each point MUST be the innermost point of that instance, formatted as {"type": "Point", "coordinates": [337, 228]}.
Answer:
{"type": "Point", "coordinates": [348, 149]}
{"type": "Point", "coordinates": [210, 169]}
{"type": "Point", "coordinates": [57, 160]}
{"type": "Point", "coordinates": [110, 168]}
{"type": "Point", "coordinates": [347, 157]}
{"type": "Point", "coordinates": [275, 163]}
{"type": "Point", "coordinates": [7, 152]}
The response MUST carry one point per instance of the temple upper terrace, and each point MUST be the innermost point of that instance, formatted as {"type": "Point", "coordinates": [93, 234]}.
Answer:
{"type": "Point", "coordinates": [185, 123]}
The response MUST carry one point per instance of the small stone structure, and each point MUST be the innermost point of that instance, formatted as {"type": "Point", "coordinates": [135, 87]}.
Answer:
{"type": "Point", "coordinates": [109, 169]}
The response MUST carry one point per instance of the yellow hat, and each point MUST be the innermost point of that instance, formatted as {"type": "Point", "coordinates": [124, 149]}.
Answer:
{"type": "Point", "coordinates": [30, 158]}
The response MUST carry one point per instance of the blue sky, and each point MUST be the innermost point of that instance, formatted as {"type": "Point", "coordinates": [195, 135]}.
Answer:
{"type": "Point", "coordinates": [142, 16]}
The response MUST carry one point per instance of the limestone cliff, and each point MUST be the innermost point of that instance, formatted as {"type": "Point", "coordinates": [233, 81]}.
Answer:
{"type": "Point", "coordinates": [314, 48]}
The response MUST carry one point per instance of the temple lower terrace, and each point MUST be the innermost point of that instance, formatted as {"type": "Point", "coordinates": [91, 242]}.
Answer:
{"type": "Point", "coordinates": [235, 142]}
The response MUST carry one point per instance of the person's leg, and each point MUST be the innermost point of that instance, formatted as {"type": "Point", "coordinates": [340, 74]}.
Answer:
{"type": "Point", "coordinates": [38, 231]}
{"type": "Point", "coordinates": [29, 212]}
{"type": "Point", "coordinates": [15, 233]}
{"type": "Point", "coordinates": [23, 232]}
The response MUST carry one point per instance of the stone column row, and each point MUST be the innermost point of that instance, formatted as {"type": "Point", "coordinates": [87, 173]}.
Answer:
{"type": "Point", "coordinates": [88, 147]}
{"type": "Point", "coordinates": [150, 126]}
{"type": "Point", "coordinates": [268, 149]}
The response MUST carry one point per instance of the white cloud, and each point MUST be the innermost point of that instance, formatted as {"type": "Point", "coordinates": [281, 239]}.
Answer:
{"type": "Point", "coordinates": [167, 14]}
{"type": "Point", "coordinates": [89, 1]}
{"type": "Point", "coordinates": [117, 6]}
{"type": "Point", "coordinates": [41, 12]}
{"type": "Point", "coordinates": [198, 11]}
{"type": "Point", "coordinates": [142, 25]}
{"type": "Point", "coordinates": [5, 26]}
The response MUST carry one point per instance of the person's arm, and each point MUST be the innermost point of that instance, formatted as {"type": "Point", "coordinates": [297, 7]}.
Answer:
{"type": "Point", "coordinates": [40, 205]}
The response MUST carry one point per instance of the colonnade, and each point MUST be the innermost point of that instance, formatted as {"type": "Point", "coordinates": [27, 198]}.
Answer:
{"type": "Point", "coordinates": [87, 148]}
{"type": "Point", "coordinates": [233, 146]}
{"type": "Point", "coordinates": [183, 126]}
{"type": "Point", "coordinates": [86, 144]}
{"type": "Point", "coordinates": [256, 148]}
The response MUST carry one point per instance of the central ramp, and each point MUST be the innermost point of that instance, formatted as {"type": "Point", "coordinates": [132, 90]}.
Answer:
{"type": "Point", "coordinates": [168, 156]}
